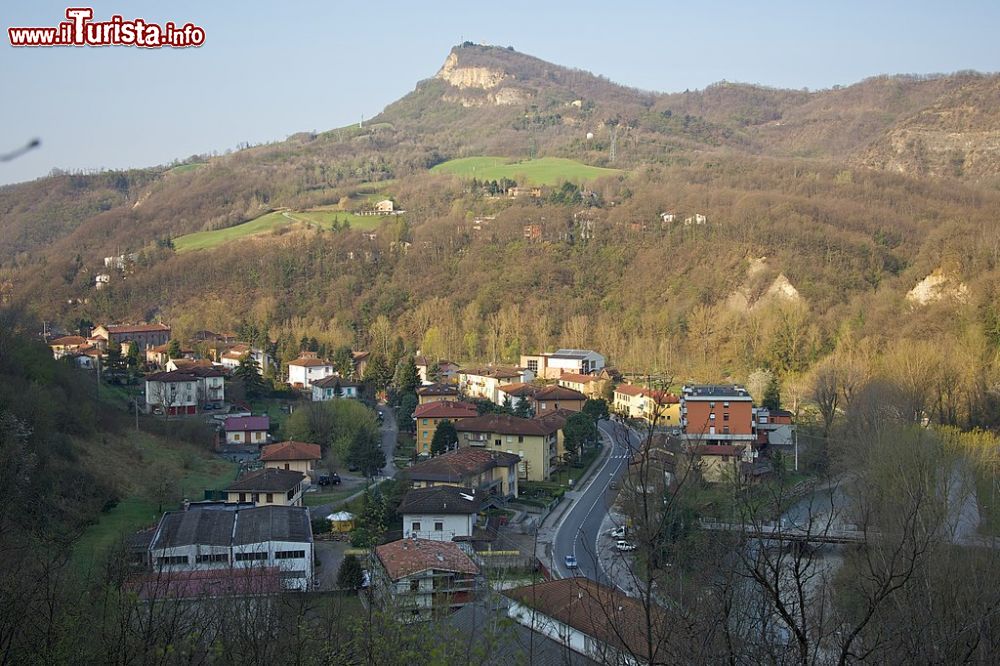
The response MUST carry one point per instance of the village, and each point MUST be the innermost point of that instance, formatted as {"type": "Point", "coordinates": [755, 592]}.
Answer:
{"type": "Point", "coordinates": [485, 466]}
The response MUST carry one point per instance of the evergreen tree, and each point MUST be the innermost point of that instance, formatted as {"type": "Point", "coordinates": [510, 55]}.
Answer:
{"type": "Point", "coordinates": [404, 412]}
{"type": "Point", "coordinates": [406, 379]}
{"type": "Point", "coordinates": [366, 453]}
{"type": "Point", "coordinates": [579, 431]}
{"type": "Point", "coordinates": [173, 349]}
{"type": "Point", "coordinates": [596, 409]}
{"type": "Point", "coordinates": [445, 438]}
{"type": "Point", "coordinates": [249, 373]}
{"type": "Point", "coordinates": [772, 396]}
{"type": "Point", "coordinates": [377, 372]}
{"type": "Point", "coordinates": [350, 576]}
{"type": "Point", "coordinates": [343, 362]}
{"type": "Point", "coordinates": [132, 358]}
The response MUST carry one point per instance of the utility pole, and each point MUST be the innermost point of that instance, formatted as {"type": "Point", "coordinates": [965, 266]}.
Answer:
{"type": "Point", "coordinates": [795, 434]}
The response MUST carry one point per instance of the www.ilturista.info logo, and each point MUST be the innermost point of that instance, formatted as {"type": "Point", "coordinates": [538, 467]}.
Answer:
{"type": "Point", "coordinates": [80, 30]}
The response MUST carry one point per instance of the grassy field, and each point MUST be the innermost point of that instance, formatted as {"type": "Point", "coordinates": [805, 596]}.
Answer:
{"type": "Point", "coordinates": [268, 223]}
{"type": "Point", "coordinates": [184, 168]}
{"type": "Point", "coordinates": [144, 459]}
{"type": "Point", "coordinates": [543, 171]}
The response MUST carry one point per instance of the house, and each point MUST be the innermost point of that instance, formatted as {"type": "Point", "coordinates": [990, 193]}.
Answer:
{"type": "Point", "coordinates": [102, 280]}
{"type": "Point", "coordinates": [553, 365]}
{"type": "Point", "coordinates": [360, 361]}
{"type": "Point", "coordinates": [423, 579]}
{"type": "Point", "coordinates": [439, 513]}
{"type": "Point", "coordinates": [266, 487]}
{"type": "Point", "coordinates": [247, 430]}
{"type": "Point", "coordinates": [668, 217]}
{"type": "Point", "coordinates": [629, 401]}
{"type": "Point", "coordinates": [144, 335]}
{"type": "Point", "coordinates": [211, 388]}
{"type": "Point", "coordinates": [428, 370]}
{"type": "Point", "coordinates": [720, 462]}
{"type": "Point", "coordinates": [591, 386]}
{"type": "Point", "coordinates": [384, 207]}
{"type": "Point", "coordinates": [489, 472]}
{"type": "Point", "coordinates": [429, 415]}
{"type": "Point", "coordinates": [717, 414]}
{"type": "Point", "coordinates": [172, 393]}
{"type": "Point", "coordinates": [697, 218]}
{"type": "Point", "coordinates": [230, 359]}
{"type": "Point", "coordinates": [307, 368]}
{"type": "Point", "coordinates": [436, 392]}
{"type": "Point", "coordinates": [293, 456]}
{"type": "Point", "coordinates": [535, 441]}
{"type": "Point", "coordinates": [186, 364]}
{"type": "Point", "coordinates": [532, 232]}
{"type": "Point", "coordinates": [273, 541]}
{"type": "Point", "coordinates": [592, 620]}
{"type": "Point", "coordinates": [335, 386]}
{"type": "Point", "coordinates": [485, 383]}
{"type": "Point", "coordinates": [67, 344]}
{"type": "Point", "coordinates": [159, 356]}
{"type": "Point", "coordinates": [512, 395]}
{"type": "Point", "coordinates": [662, 408]}
{"type": "Point", "coordinates": [122, 261]}
{"type": "Point", "coordinates": [551, 398]}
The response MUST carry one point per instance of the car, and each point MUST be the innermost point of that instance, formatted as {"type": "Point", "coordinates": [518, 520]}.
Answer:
{"type": "Point", "coordinates": [617, 533]}
{"type": "Point", "coordinates": [570, 562]}
{"type": "Point", "coordinates": [208, 407]}
{"type": "Point", "coordinates": [624, 546]}
{"type": "Point", "coordinates": [335, 479]}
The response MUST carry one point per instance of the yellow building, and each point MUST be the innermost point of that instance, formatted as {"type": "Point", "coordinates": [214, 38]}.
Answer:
{"type": "Point", "coordinates": [429, 415]}
{"type": "Point", "coordinates": [535, 441]}
{"type": "Point", "coordinates": [491, 472]}
{"type": "Point", "coordinates": [294, 456]}
{"type": "Point", "coordinates": [436, 393]}
{"type": "Point", "coordinates": [267, 487]}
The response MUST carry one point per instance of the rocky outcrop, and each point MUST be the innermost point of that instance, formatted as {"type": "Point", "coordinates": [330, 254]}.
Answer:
{"type": "Point", "coordinates": [751, 295]}
{"type": "Point", "coordinates": [482, 78]}
{"type": "Point", "coordinates": [938, 286]}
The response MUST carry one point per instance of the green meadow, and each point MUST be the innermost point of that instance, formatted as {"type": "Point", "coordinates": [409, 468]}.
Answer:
{"type": "Point", "coordinates": [542, 171]}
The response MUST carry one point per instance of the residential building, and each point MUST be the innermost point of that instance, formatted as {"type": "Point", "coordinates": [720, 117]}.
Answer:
{"type": "Point", "coordinates": [144, 335]}
{"type": "Point", "coordinates": [211, 389]}
{"type": "Point", "coordinates": [696, 219]}
{"type": "Point", "coordinates": [335, 386]}
{"type": "Point", "coordinates": [590, 619]}
{"type": "Point", "coordinates": [717, 414]}
{"type": "Point", "coordinates": [591, 386]}
{"type": "Point", "coordinates": [436, 392]}
{"type": "Point", "coordinates": [293, 456]}
{"type": "Point", "coordinates": [668, 217]}
{"type": "Point", "coordinates": [422, 579]}
{"type": "Point", "coordinates": [440, 513]}
{"type": "Point", "coordinates": [720, 462]}
{"type": "Point", "coordinates": [230, 359]}
{"type": "Point", "coordinates": [552, 398]}
{"type": "Point", "coordinates": [185, 364]}
{"type": "Point", "coordinates": [553, 365]}
{"type": "Point", "coordinates": [512, 395]}
{"type": "Point", "coordinates": [67, 344]}
{"type": "Point", "coordinates": [159, 355]}
{"type": "Point", "coordinates": [429, 415]}
{"type": "Point", "coordinates": [629, 401]}
{"type": "Point", "coordinates": [247, 430]}
{"type": "Point", "coordinates": [384, 207]}
{"type": "Point", "coordinates": [274, 541]}
{"type": "Point", "coordinates": [172, 393]}
{"type": "Point", "coordinates": [535, 441]}
{"type": "Point", "coordinates": [307, 368]}
{"type": "Point", "coordinates": [485, 382]}
{"type": "Point", "coordinates": [651, 405]}
{"type": "Point", "coordinates": [489, 472]}
{"type": "Point", "coordinates": [532, 232]}
{"type": "Point", "coordinates": [267, 487]}
{"type": "Point", "coordinates": [429, 370]}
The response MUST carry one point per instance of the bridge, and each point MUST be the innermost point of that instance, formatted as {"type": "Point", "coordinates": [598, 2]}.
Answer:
{"type": "Point", "coordinates": [832, 534]}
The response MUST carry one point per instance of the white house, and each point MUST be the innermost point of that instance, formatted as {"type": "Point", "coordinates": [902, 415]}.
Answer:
{"type": "Point", "coordinates": [697, 218]}
{"type": "Point", "coordinates": [384, 206]}
{"type": "Point", "coordinates": [306, 369]}
{"type": "Point", "coordinates": [668, 217]}
{"type": "Point", "coordinates": [334, 386]}
{"type": "Point", "coordinates": [230, 359]}
{"type": "Point", "coordinates": [211, 380]}
{"type": "Point", "coordinates": [439, 513]}
{"type": "Point", "coordinates": [243, 430]}
{"type": "Point", "coordinates": [485, 383]}
{"type": "Point", "coordinates": [172, 392]}
{"type": "Point", "coordinates": [553, 365]}
{"type": "Point", "coordinates": [273, 541]}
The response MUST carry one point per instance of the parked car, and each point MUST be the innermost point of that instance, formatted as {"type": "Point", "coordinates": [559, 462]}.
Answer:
{"type": "Point", "coordinates": [624, 546]}
{"type": "Point", "coordinates": [570, 562]}
{"type": "Point", "coordinates": [335, 479]}
{"type": "Point", "coordinates": [617, 533]}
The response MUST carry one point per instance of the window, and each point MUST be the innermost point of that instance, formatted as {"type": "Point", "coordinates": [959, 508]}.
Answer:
{"type": "Point", "coordinates": [286, 465]}
{"type": "Point", "coordinates": [711, 417]}
{"type": "Point", "coordinates": [172, 559]}
{"type": "Point", "coordinates": [290, 555]}
{"type": "Point", "coordinates": [726, 405]}
{"type": "Point", "coordinates": [243, 497]}
{"type": "Point", "coordinates": [725, 416]}
{"type": "Point", "coordinates": [415, 527]}
{"type": "Point", "coordinates": [256, 497]}
{"type": "Point", "coordinates": [291, 494]}
{"type": "Point", "coordinates": [236, 436]}
{"type": "Point", "coordinates": [270, 498]}
{"type": "Point", "coordinates": [425, 421]}
{"type": "Point", "coordinates": [438, 527]}
{"type": "Point", "coordinates": [543, 407]}
{"type": "Point", "coordinates": [251, 557]}
{"type": "Point", "coordinates": [510, 439]}
{"type": "Point", "coordinates": [711, 405]}
{"type": "Point", "coordinates": [533, 366]}
{"type": "Point", "coordinates": [496, 443]}
{"type": "Point", "coordinates": [725, 430]}
{"type": "Point", "coordinates": [414, 586]}
{"type": "Point", "coordinates": [212, 557]}
{"type": "Point", "coordinates": [520, 439]}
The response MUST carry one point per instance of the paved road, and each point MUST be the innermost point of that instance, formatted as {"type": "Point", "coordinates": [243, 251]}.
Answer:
{"type": "Point", "coordinates": [578, 533]}
{"type": "Point", "coordinates": [388, 439]}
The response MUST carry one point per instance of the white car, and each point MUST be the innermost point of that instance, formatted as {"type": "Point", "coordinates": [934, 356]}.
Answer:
{"type": "Point", "coordinates": [617, 533]}
{"type": "Point", "coordinates": [624, 546]}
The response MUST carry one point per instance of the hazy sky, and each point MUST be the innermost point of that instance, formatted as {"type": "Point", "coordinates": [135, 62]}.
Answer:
{"type": "Point", "coordinates": [270, 69]}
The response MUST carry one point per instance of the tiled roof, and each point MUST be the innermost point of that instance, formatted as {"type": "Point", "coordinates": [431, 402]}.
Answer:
{"type": "Point", "coordinates": [438, 389]}
{"type": "Point", "coordinates": [410, 556]}
{"type": "Point", "coordinates": [630, 389]}
{"type": "Point", "coordinates": [172, 376]}
{"type": "Point", "coordinates": [68, 340]}
{"type": "Point", "coordinates": [267, 480]}
{"type": "Point", "coordinates": [577, 378]}
{"type": "Point", "coordinates": [445, 500]}
{"type": "Point", "coordinates": [445, 409]}
{"type": "Point", "coordinates": [136, 328]}
{"type": "Point", "coordinates": [559, 393]}
{"type": "Point", "coordinates": [291, 450]}
{"type": "Point", "coordinates": [506, 425]}
{"type": "Point", "coordinates": [556, 417]}
{"type": "Point", "coordinates": [598, 611]}
{"type": "Point", "coordinates": [332, 380]}
{"type": "Point", "coordinates": [456, 466]}
{"type": "Point", "coordinates": [245, 423]}
{"type": "Point", "coordinates": [495, 372]}
{"type": "Point", "coordinates": [309, 362]}
{"type": "Point", "coordinates": [519, 390]}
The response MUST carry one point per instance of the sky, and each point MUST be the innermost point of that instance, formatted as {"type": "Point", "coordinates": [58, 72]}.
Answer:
{"type": "Point", "coordinates": [270, 69]}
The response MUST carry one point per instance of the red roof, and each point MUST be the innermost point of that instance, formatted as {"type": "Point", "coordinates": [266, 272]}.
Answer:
{"type": "Point", "coordinates": [411, 556]}
{"type": "Point", "coordinates": [445, 409]}
{"type": "Point", "coordinates": [559, 393]}
{"type": "Point", "coordinates": [630, 389]}
{"type": "Point", "coordinates": [67, 340]}
{"type": "Point", "coordinates": [520, 389]}
{"type": "Point", "coordinates": [579, 379]}
{"type": "Point", "coordinates": [308, 362]}
{"type": "Point", "coordinates": [291, 450]}
{"type": "Point", "coordinates": [136, 328]}
{"type": "Point", "coordinates": [244, 423]}
{"type": "Point", "coordinates": [212, 583]}
{"type": "Point", "coordinates": [507, 425]}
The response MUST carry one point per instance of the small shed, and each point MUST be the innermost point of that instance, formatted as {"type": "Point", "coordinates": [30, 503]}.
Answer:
{"type": "Point", "coordinates": [342, 521]}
